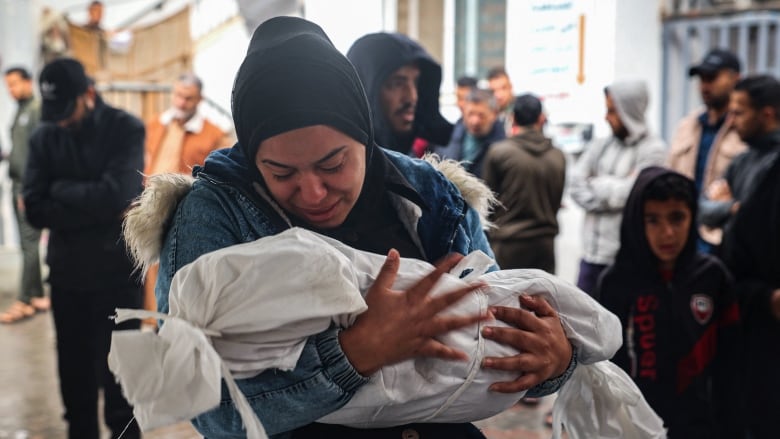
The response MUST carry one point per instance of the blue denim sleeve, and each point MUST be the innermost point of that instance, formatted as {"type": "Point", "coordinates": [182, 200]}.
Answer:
{"type": "Point", "coordinates": [323, 379]}
{"type": "Point", "coordinates": [478, 241]}
{"type": "Point", "coordinates": [475, 236]}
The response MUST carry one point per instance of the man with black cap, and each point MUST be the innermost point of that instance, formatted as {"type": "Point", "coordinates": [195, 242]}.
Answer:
{"type": "Point", "coordinates": [402, 83]}
{"type": "Point", "coordinates": [84, 169]}
{"type": "Point", "coordinates": [528, 173]}
{"type": "Point", "coordinates": [705, 141]}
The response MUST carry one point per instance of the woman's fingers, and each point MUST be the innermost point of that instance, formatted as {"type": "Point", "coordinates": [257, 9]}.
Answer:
{"type": "Point", "coordinates": [537, 304]}
{"type": "Point", "coordinates": [403, 324]}
{"type": "Point", "coordinates": [443, 325]}
{"type": "Point", "coordinates": [435, 349]}
{"type": "Point", "coordinates": [420, 290]}
{"type": "Point", "coordinates": [531, 371]}
{"type": "Point", "coordinates": [443, 301]}
{"type": "Point", "coordinates": [389, 270]}
{"type": "Point", "coordinates": [522, 319]}
{"type": "Point", "coordinates": [536, 332]}
{"type": "Point", "coordinates": [522, 383]}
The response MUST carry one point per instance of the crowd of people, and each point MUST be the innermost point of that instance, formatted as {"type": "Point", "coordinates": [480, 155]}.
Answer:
{"type": "Point", "coordinates": [679, 241]}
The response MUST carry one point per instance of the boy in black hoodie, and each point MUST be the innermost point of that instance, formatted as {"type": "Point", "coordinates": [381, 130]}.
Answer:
{"type": "Point", "coordinates": [678, 310]}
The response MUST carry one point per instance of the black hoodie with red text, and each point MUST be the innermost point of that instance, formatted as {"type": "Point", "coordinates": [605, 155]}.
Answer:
{"type": "Point", "coordinates": [680, 330]}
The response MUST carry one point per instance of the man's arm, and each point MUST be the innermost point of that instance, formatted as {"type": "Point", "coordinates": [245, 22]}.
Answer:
{"type": "Point", "coordinates": [41, 209]}
{"type": "Point", "coordinates": [717, 205]}
{"type": "Point", "coordinates": [119, 183]}
{"type": "Point", "coordinates": [581, 190]}
{"type": "Point", "coordinates": [610, 192]}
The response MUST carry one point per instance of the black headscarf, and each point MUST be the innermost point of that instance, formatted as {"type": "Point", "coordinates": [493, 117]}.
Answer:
{"type": "Point", "coordinates": [293, 77]}
{"type": "Point", "coordinates": [375, 57]}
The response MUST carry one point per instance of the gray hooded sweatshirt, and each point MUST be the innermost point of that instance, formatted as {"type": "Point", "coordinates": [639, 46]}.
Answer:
{"type": "Point", "coordinates": [603, 176]}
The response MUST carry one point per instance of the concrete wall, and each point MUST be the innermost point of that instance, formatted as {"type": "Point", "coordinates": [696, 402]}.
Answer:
{"type": "Point", "coordinates": [638, 50]}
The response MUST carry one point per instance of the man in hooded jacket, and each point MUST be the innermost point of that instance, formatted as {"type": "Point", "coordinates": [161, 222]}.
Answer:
{"type": "Point", "coordinates": [402, 82]}
{"type": "Point", "coordinates": [528, 174]}
{"type": "Point", "coordinates": [603, 176]}
{"type": "Point", "coordinates": [678, 309]}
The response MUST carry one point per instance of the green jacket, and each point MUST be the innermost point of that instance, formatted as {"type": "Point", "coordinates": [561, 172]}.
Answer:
{"type": "Point", "coordinates": [27, 117]}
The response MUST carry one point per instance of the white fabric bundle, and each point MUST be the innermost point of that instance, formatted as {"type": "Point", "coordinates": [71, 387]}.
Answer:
{"type": "Point", "coordinates": [601, 400]}
{"type": "Point", "coordinates": [259, 301]}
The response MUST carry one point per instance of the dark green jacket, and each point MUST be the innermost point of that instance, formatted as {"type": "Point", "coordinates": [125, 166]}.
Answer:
{"type": "Point", "coordinates": [27, 117]}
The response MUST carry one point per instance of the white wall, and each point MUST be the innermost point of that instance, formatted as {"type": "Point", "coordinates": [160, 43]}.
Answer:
{"type": "Point", "coordinates": [344, 21]}
{"type": "Point", "coordinates": [17, 47]}
{"type": "Point", "coordinates": [638, 51]}
{"type": "Point", "coordinates": [622, 40]}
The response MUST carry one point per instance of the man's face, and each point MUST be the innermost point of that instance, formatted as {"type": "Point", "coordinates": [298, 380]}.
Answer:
{"type": "Point", "coordinates": [18, 87]}
{"type": "Point", "coordinates": [461, 93]}
{"type": "Point", "coordinates": [479, 118]}
{"type": "Point", "coordinates": [613, 119]}
{"type": "Point", "coordinates": [315, 173]}
{"type": "Point", "coordinates": [185, 100]}
{"type": "Point", "coordinates": [502, 90]}
{"type": "Point", "coordinates": [398, 98]}
{"type": "Point", "coordinates": [95, 13]}
{"type": "Point", "coordinates": [715, 88]}
{"type": "Point", "coordinates": [84, 106]}
{"type": "Point", "coordinates": [667, 224]}
{"type": "Point", "coordinates": [747, 121]}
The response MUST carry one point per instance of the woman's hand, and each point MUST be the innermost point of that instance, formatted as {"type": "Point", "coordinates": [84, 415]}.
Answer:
{"type": "Point", "coordinates": [545, 352]}
{"type": "Point", "coordinates": [399, 325]}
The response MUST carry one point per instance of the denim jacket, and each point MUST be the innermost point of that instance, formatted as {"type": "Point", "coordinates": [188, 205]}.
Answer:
{"type": "Point", "coordinates": [225, 208]}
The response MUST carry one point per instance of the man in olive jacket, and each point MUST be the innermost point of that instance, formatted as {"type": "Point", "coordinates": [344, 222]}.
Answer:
{"type": "Point", "coordinates": [527, 173]}
{"type": "Point", "coordinates": [30, 296]}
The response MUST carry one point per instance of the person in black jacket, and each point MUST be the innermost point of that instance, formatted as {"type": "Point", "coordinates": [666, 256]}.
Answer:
{"type": "Point", "coordinates": [83, 170]}
{"type": "Point", "coordinates": [678, 309]}
{"type": "Point", "coordinates": [402, 83]}
{"type": "Point", "coordinates": [751, 249]}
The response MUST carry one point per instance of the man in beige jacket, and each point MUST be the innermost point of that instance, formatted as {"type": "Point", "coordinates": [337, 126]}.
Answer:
{"type": "Point", "coordinates": [705, 141]}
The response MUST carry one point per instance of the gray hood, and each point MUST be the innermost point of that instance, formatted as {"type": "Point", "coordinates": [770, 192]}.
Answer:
{"type": "Point", "coordinates": [631, 98]}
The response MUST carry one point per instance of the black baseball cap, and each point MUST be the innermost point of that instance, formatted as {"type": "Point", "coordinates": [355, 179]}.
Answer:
{"type": "Point", "coordinates": [62, 81]}
{"type": "Point", "coordinates": [527, 110]}
{"type": "Point", "coordinates": [715, 61]}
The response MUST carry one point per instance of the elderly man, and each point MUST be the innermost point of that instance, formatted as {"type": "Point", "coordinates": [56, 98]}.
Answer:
{"type": "Point", "coordinates": [181, 137]}
{"type": "Point", "coordinates": [482, 128]}
{"type": "Point", "coordinates": [176, 140]}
